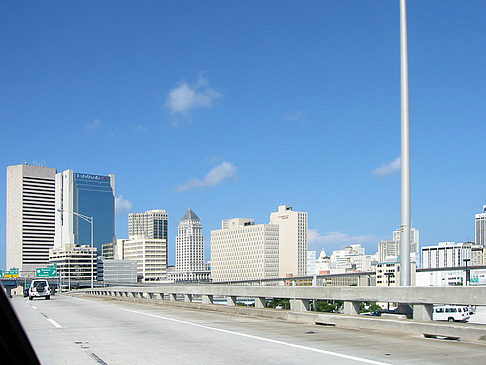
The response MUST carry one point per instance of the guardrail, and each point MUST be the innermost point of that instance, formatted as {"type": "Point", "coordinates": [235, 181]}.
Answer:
{"type": "Point", "coordinates": [421, 299]}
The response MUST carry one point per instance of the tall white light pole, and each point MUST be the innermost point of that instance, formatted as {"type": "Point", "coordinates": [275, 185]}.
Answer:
{"type": "Point", "coordinates": [90, 220]}
{"type": "Point", "coordinates": [405, 151]}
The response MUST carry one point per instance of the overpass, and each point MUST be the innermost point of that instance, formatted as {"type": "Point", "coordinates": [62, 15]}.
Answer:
{"type": "Point", "coordinates": [421, 299]}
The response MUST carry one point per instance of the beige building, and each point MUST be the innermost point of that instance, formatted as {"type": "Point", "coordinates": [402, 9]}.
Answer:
{"type": "Point", "coordinates": [30, 221]}
{"type": "Point", "coordinates": [242, 250]}
{"type": "Point", "coordinates": [150, 255]}
{"type": "Point", "coordinates": [388, 274]}
{"type": "Point", "coordinates": [292, 240]}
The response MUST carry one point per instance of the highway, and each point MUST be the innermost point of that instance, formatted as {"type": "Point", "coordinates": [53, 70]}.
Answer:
{"type": "Point", "coordinates": [81, 330]}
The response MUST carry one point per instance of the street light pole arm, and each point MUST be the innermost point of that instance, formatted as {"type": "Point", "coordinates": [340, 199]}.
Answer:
{"type": "Point", "coordinates": [82, 216]}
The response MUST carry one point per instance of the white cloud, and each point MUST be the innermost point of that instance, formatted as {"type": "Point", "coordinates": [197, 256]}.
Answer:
{"type": "Point", "coordinates": [388, 168]}
{"type": "Point", "coordinates": [336, 239]}
{"type": "Point", "coordinates": [294, 116]}
{"type": "Point", "coordinates": [215, 176]}
{"type": "Point", "coordinates": [185, 97]}
{"type": "Point", "coordinates": [94, 125]}
{"type": "Point", "coordinates": [122, 206]}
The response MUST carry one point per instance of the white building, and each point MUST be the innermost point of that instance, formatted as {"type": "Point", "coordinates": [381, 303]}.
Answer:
{"type": "Point", "coordinates": [151, 224]}
{"type": "Point", "coordinates": [480, 225]}
{"type": "Point", "coordinates": [351, 258]}
{"type": "Point", "coordinates": [30, 220]}
{"type": "Point", "coordinates": [323, 264]}
{"type": "Point", "coordinates": [242, 250]}
{"type": "Point", "coordinates": [389, 251]}
{"type": "Point", "coordinates": [189, 244]}
{"type": "Point", "coordinates": [292, 240]}
{"type": "Point", "coordinates": [74, 262]}
{"type": "Point", "coordinates": [446, 254]}
{"type": "Point", "coordinates": [433, 277]}
{"type": "Point", "coordinates": [311, 263]}
{"type": "Point", "coordinates": [150, 255]}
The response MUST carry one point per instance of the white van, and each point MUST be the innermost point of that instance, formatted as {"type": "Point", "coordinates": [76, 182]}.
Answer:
{"type": "Point", "coordinates": [451, 313]}
{"type": "Point", "coordinates": [39, 288]}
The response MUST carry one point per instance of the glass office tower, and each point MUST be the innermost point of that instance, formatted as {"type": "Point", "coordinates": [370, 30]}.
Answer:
{"type": "Point", "coordinates": [89, 195]}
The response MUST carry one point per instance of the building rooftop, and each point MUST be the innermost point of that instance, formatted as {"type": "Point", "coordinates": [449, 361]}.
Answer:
{"type": "Point", "coordinates": [190, 216]}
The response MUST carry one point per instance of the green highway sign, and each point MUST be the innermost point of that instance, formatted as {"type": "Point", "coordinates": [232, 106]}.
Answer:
{"type": "Point", "coordinates": [46, 272]}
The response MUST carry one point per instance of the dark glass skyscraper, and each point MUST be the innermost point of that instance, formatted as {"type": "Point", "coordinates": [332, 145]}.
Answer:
{"type": "Point", "coordinates": [91, 196]}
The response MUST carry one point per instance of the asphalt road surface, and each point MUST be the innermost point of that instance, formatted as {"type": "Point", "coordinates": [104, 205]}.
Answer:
{"type": "Point", "coordinates": [72, 330]}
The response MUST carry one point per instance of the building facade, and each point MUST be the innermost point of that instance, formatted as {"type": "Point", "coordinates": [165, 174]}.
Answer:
{"type": "Point", "coordinates": [447, 254]}
{"type": "Point", "coordinates": [242, 250]}
{"type": "Point", "coordinates": [388, 274]}
{"type": "Point", "coordinates": [189, 244]}
{"type": "Point", "coordinates": [150, 255]}
{"type": "Point", "coordinates": [153, 224]}
{"type": "Point", "coordinates": [117, 271]}
{"type": "Point", "coordinates": [74, 262]}
{"type": "Point", "coordinates": [389, 251]}
{"type": "Point", "coordinates": [480, 227]}
{"type": "Point", "coordinates": [292, 240]}
{"type": "Point", "coordinates": [30, 219]}
{"type": "Point", "coordinates": [91, 196]}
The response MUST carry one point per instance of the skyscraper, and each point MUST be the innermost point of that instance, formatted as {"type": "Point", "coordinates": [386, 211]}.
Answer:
{"type": "Point", "coordinates": [30, 216]}
{"type": "Point", "coordinates": [480, 225]}
{"type": "Point", "coordinates": [292, 240]}
{"type": "Point", "coordinates": [190, 243]}
{"type": "Point", "coordinates": [152, 224]}
{"type": "Point", "coordinates": [89, 195]}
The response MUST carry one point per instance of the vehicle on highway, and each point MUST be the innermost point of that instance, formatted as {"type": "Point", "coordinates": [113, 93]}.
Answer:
{"type": "Point", "coordinates": [451, 313]}
{"type": "Point", "coordinates": [39, 288]}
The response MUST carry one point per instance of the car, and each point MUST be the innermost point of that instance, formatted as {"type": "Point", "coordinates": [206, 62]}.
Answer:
{"type": "Point", "coordinates": [39, 288]}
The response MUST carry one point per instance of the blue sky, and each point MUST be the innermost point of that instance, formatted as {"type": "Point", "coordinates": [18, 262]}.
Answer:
{"type": "Point", "coordinates": [232, 108]}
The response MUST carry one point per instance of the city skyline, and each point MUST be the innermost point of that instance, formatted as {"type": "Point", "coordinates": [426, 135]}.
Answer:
{"type": "Point", "coordinates": [234, 109]}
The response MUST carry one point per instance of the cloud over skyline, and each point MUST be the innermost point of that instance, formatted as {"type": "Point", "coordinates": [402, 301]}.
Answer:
{"type": "Point", "coordinates": [215, 176]}
{"type": "Point", "coordinates": [122, 206]}
{"type": "Point", "coordinates": [185, 97]}
{"type": "Point", "coordinates": [335, 239]}
{"type": "Point", "coordinates": [388, 168]}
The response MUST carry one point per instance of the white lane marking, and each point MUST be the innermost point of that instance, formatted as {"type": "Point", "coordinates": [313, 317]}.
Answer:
{"type": "Point", "coordinates": [54, 323]}
{"type": "Point", "coordinates": [331, 353]}
{"type": "Point", "coordinates": [34, 307]}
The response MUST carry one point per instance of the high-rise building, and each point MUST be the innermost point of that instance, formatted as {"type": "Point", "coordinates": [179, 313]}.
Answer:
{"type": "Point", "coordinates": [150, 255]}
{"type": "Point", "coordinates": [152, 224]}
{"type": "Point", "coordinates": [30, 216]}
{"type": "Point", "coordinates": [292, 240]}
{"type": "Point", "coordinates": [480, 225]}
{"type": "Point", "coordinates": [242, 250]}
{"type": "Point", "coordinates": [189, 244]}
{"type": "Point", "coordinates": [88, 195]}
{"type": "Point", "coordinates": [389, 251]}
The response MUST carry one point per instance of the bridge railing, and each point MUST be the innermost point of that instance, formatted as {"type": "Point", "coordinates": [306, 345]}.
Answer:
{"type": "Point", "coordinates": [421, 299]}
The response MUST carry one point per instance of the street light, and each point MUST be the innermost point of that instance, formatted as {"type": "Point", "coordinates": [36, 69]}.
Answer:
{"type": "Point", "coordinates": [468, 274]}
{"type": "Point", "coordinates": [90, 220]}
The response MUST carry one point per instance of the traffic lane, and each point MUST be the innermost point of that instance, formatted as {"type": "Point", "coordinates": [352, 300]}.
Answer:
{"type": "Point", "coordinates": [128, 336]}
{"type": "Point", "coordinates": [180, 341]}
{"type": "Point", "coordinates": [49, 342]}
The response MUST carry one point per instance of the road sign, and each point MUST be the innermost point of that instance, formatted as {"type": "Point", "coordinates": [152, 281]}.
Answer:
{"type": "Point", "coordinates": [12, 273]}
{"type": "Point", "coordinates": [46, 272]}
{"type": "Point", "coordinates": [1, 273]}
